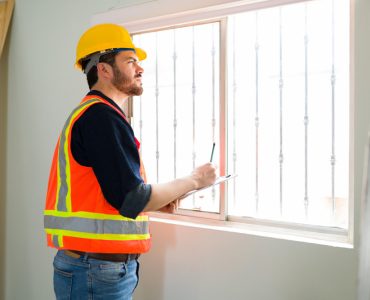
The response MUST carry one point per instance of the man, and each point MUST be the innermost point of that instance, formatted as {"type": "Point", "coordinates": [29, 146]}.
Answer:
{"type": "Point", "coordinates": [97, 193]}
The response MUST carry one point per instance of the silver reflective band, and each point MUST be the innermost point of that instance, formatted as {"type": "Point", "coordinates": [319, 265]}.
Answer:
{"type": "Point", "coordinates": [56, 241]}
{"type": "Point", "coordinates": [96, 226]}
{"type": "Point", "coordinates": [63, 190]}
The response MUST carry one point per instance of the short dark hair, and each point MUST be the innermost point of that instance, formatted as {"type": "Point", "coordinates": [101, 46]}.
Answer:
{"type": "Point", "coordinates": [92, 76]}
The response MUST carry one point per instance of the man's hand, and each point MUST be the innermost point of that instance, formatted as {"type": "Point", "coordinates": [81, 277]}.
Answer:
{"type": "Point", "coordinates": [204, 175]}
{"type": "Point", "coordinates": [164, 196]}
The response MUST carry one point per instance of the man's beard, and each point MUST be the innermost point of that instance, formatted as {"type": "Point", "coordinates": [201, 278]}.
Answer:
{"type": "Point", "coordinates": [123, 84]}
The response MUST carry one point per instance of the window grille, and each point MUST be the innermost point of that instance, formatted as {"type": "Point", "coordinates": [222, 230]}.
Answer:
{"type": "Point", "coordinates": [285, 112]}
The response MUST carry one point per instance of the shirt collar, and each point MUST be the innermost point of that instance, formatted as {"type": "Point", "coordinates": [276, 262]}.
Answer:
{"type": "Point", "coordinates": [100, 94]}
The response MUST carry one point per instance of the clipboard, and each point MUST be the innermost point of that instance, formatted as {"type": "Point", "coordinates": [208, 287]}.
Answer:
{"type": "Point", "coordinates": [219, 180]}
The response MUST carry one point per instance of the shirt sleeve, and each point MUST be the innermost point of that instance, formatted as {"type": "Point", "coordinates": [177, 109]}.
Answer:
{"type": "Point", "coordinates": [140, 194]}
{"type": "Point", "coordinates": [103, 140]}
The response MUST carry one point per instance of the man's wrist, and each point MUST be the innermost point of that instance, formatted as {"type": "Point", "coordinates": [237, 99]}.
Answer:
{"type": "Point", "coordinates": [194, 179]}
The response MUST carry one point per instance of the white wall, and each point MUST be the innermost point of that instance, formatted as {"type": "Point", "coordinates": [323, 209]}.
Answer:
{"type": "Point", "coordinates": [43, 86]}
{"type": "Point", "coordinates": [185, 263]}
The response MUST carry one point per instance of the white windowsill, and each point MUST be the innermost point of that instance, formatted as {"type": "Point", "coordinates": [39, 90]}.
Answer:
{"type": "Point", "coordinates": [335, 237]}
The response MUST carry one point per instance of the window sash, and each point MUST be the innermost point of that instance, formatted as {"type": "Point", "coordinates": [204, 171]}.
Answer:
{"type": "Point", "coordinates": [220, 131]}
{"type": "Point", "coordinates": [223, 106]}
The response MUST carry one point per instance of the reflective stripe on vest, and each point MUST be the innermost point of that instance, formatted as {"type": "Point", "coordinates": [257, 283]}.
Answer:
{"type": "Point", "coordinates": [63, 202]}
{"type": "Point", "coordinates": [97, 226]}
{"type": "Point", "coordinates": [57, 240]}
{"type": "Point", "coordinates": [62, 221]}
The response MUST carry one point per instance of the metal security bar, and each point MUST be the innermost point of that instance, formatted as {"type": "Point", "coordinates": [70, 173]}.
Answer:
{"type": "Point", "coordinates": [256, 119]}
{"type": "Point", "coordinates": [234, 121]}
{"type": "Point", "coordinates": [193, 90]}
{"type": "Point", "coordinates": [333, 75]}
{"type": "Point", "coordinates": [174, 106]}
{"type": "Point", "coordinates": [281, 83]}
{"type": "Point", "coordinates": [141, 123]}
{"type": "Point", "coordinates": [213, 101]}
{"type": "Point", "coordinates": [156, 107]}
{"type": "Point", "coordinates": [305, 113]}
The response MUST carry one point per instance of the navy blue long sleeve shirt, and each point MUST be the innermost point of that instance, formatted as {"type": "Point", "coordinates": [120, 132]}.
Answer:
{"type": "Point", "coordinates": [103, 140]}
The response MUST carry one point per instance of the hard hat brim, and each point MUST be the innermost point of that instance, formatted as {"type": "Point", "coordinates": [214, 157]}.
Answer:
{"type": "Point", "coordinates": [141, 54]}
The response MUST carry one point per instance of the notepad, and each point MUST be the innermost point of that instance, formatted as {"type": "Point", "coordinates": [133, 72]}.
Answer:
{"type": "Point", "coordinates": [218, 181]}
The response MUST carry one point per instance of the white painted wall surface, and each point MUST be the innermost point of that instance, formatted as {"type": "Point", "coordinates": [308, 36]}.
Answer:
{"type": "Point", "coordinates": [39, 89]}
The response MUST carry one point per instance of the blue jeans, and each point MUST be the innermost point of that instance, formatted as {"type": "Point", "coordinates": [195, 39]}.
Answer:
{"type": "Point", "coordinates": [86, 278]}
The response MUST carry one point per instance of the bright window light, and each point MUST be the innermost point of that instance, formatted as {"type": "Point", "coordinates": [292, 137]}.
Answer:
{"type": "Point", "coordinates": [286, 115]}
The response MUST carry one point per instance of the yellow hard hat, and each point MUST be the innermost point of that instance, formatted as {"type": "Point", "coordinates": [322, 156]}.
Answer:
{"type": "Point", "coordinates": [105, 38]}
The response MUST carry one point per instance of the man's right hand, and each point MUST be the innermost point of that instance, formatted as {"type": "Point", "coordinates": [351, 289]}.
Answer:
{"type": "Point", "coordinates": [164, 193]}
{"type": "Point", "coordinates": [204, 175]}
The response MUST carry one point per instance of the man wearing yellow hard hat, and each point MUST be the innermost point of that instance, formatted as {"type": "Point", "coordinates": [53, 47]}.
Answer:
{"type": "Point", "coordinates": [97, 197]}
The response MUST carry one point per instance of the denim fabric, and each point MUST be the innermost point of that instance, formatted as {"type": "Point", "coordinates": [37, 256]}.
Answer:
{"type": "Point", "coordinates": [85, 278]}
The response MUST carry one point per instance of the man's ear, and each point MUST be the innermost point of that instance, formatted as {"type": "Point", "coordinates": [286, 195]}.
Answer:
{"type": "Point", "coordinates": [104, 70]}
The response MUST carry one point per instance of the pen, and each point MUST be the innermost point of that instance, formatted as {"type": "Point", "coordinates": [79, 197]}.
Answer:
{"type": "Point", "coordinates": [213, 149]}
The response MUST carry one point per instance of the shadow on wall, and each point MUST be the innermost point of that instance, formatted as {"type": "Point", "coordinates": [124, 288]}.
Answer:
{"type": "Point", "coordinates": [3, 127]}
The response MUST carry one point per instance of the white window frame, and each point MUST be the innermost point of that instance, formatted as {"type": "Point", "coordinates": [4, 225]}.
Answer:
{"type": "Point", "coordinates": [275, 229]}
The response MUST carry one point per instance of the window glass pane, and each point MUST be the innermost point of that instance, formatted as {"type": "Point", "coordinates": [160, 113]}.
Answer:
{"type": "Point", "coordinates": [287, 105]}
{"type": "Point", "coordinates": [177, 117]}
{"type": "Point", "coordinates": [288, 113]}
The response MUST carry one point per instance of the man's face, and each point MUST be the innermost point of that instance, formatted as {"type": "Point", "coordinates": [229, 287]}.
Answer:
{"type": "Point", "coordinates": [127, 74]}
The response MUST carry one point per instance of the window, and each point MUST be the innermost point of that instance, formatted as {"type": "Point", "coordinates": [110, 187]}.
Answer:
{"type": "Point", "coordinates": [179, 111]}
{"type": "Point", "coordinates": [270, 86]}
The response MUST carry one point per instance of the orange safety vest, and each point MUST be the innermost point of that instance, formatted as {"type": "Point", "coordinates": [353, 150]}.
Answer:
{"type": "Point", "coordinates": [76, 215]}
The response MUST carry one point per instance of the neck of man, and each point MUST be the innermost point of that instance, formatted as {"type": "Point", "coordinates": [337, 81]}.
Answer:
{"type": "Point", "coordinates": [110, 91]}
